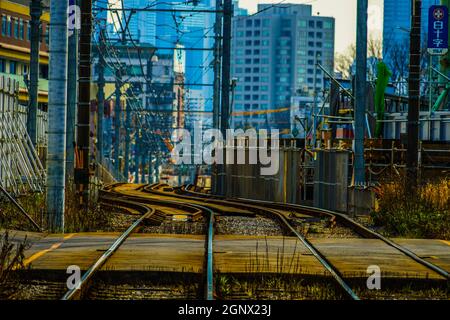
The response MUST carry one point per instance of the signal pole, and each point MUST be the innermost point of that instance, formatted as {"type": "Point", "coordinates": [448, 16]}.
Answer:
{"type": "Point", "coordinates": [35, 35]}
{"type": "Point", "coordinates": [414, 94]}
{"type": "Point", "coordinates": [57, 107]}
{"type": "Point", "coordinates": [360, 92]}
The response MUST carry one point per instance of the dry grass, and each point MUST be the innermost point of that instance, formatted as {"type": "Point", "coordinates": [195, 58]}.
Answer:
{"type": "Point", "coordinates": [423, 214]}
{"type": "Point", "coordinates": [11, 259]}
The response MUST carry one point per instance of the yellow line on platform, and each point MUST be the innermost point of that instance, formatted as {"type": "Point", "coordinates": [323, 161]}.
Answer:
{"type": "Point", "coordinates": [39, 254]}
{"type": "Point", "coordinates": [446, 242]}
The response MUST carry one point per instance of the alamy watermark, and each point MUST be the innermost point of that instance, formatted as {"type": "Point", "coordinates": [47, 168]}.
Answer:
{"type": "Point", "coordinates": [374, 280]}
{"type": "Point", "coordinates": [211, 147]}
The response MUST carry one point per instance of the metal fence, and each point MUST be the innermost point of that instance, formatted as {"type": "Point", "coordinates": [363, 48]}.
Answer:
{"type": "Point", "coordinates": [21, 170]}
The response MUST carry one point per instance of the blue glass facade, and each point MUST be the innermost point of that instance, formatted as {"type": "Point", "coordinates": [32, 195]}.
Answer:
{"type": "Point", "coordinates": [397, 22]}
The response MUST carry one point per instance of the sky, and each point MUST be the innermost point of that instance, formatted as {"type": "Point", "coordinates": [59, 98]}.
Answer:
{"type": "Point", "coordinates": [344, 11]}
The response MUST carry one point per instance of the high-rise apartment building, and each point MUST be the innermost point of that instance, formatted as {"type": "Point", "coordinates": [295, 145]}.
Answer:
{"type": "Point", "coordinates": [397, 23]}
{"type": "Point", "coordinates": [273, 59]}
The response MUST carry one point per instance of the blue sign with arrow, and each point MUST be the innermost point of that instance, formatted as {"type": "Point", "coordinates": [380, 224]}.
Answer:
{"type": "Point", "coordinates": [438, 30]}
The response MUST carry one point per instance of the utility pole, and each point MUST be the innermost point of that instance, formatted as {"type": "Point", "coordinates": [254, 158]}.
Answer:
{"type": "Point", "coordinates": [82, 169]}
{"type": "Point", "coordinates": [100, 95]}
{"type": "Point", "coordinates": [226, 79]}
{"type": "Point", "coordinates": [57, 107]}
{"type": "Point", "coordinates": [414, 94]}
{"type": "Point", "coordinates": [35, 35]}
{"type": "Point", "coordinates": [216, 84]}
{"type": "Point", "coordinates": [117, 109]}
{"type": "Point", "coordinates": [136, 156]}
{"type": "Point", "coordinates": [126, 167]}
{"type": "Point", "coordinates": [143, 160]}
{"type": "Point", "coordinates": [72, 88]}
{"type": "Point", "coordinates": [360, 92]}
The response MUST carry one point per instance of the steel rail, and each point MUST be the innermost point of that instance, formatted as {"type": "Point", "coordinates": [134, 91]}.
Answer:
{"type": "Point", "coordinates": [366, 232]}
{"type": "Point", "coordinates": [209, 281]}
{"type": "Point", "coordinates": [315, 252]}
{"type": "Point", "coordinates": [78, 290]}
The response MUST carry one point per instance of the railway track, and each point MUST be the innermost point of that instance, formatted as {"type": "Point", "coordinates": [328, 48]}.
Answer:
{"type": "Point", "coordinates": [148, 212]}
{"type": "Point", "coordinates": [360, 229]}
{"type": "Point", "coordinates": [274, 209]}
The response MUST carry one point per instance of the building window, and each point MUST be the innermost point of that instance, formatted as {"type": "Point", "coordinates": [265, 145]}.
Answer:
{"type": "Point", "coordinates": [21, 30]}
{"type": "Point", "coordinates": [9, 27]}
{"type": "Point", "coordinates": [265, 33]}
{"type": "Point", "coordinates": [248, 22]}
{"type": "Point", "coordinates": [319, 35]}
{"type": "Point", "coordinates": [255, 79]}
{"type": "Point", "coordinates": [255, 70]}
{"type": "Point", "coordinates": [311, 24]}
{"type": "Point", "coordinates": [328, 25]}
{"type": "Point", "coordinates": [311, 34]}
{"type": "Point", "coordinates": [248, 42]}
{"type": "Point", "coordinates": [13, 67]}
{"type": "Point", "coordinates": [240, 33]}
{"type": "Point", "coordinates": [255, 88]}
{"type": "Point", "coordinates": [257, 23]}
{"type": "Point", "coordinates": [302, 23]}
{"type": "Point", "coordinates": [4, 25]}
{"type": "Point", "coordinates": [28, 31]}
{"type": "Point", "coordinates": [248, 70]}
{"type": "Point", "coordinates": [266, 23]}
{"type": "Point", "coordinates": [16, 28]}
{"type": "Point", "coordinates": [319, 24]}
{"type": "Point", "coordinates": [2, 65]}
{"type": "Point", "coordinates": [257, 33]}
{"type": "Point", "coordinates": [257, 42]}
{"type": "Point", "coordinates": [248, 51]}
{"type": "Point", "coordinates": [248, 33]}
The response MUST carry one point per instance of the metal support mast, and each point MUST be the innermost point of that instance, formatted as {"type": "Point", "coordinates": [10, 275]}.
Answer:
{"type": "Point", "coordinates": [100, 95]}
{"type": "Point", "coordinates": [83, 123]}
{"type": "Point", "coordinates": [360, 91]}
{"type": "Point", "coordinates": [57, 107]}
{"type": "Point", "coordinates": [72, 93]}
{"type": "Point", "coordinates": [35, 34]}
{"type": "Point", "coordinates": [117, 110]}
{"type": "Point", "coordinates": [126, 166]}
{"type": "Point", "coordinates": [414, 93]}
{"type": "Point", "coordinates": [226, 79]}
{"type": "Point", "coordinates": [216, 84]}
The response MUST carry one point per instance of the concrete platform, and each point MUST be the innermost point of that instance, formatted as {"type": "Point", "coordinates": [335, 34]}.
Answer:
{"type": "Point", "coordinates": [236, 254]}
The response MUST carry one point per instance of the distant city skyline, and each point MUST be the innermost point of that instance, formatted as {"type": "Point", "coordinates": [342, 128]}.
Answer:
{"type": "Point", "coordinates": [344, 14]}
